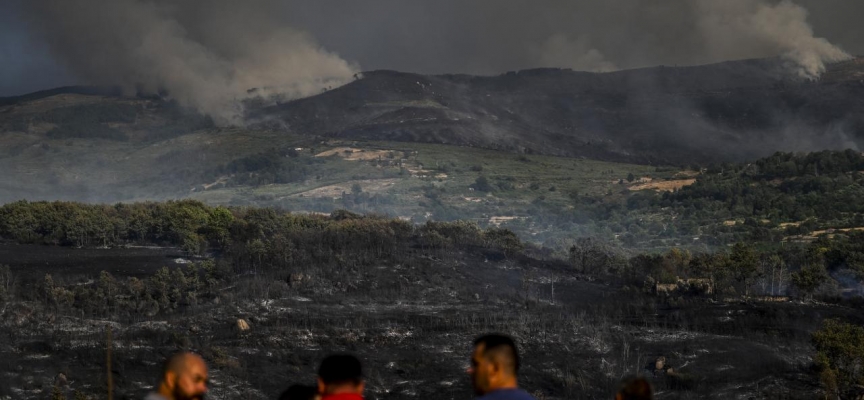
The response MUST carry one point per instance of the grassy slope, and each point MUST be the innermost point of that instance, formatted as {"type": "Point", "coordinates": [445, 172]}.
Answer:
{"type": "Point", "coordinates": [450, 170]}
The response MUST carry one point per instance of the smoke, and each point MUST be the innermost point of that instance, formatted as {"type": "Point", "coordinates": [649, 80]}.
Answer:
{"type": "Point", "coordinates": [561, 51]}
{"type": "Point", "coordinates": [750, 29]}
{"type": "Point", "coordinates": [495, 36]}
{"type": "Point", "coordinates": [207, 55]}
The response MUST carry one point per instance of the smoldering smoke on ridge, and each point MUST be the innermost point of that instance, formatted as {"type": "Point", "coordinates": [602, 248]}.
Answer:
{"type": "Point", "coordinates": [206, 54]}
{"type": "Point", "coordinates": [495, 36]}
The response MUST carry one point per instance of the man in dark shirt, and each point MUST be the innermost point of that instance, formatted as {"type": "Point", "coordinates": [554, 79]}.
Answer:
{"type": "Point", "coordinates": [340, 377]}
{"type": "Point", "coordinates": [494, 369]}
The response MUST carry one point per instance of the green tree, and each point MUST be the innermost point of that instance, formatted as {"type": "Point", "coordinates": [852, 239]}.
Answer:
{"type": "Point", "coordinates": [743, 265]}
{"type": "Point", "coordinates": [57, 394]}
{"type": "Point", "coordinates": [631, 177]}
{"type": "Point", "coordinates": [840, 354]}
{"type": "Point", "coordinates": [481, 184]}
{"type": "Point", "coordinates": [809, 278]}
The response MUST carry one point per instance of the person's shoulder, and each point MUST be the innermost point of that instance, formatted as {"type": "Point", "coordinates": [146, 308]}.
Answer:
{"type": "Point", "coordinates": [154, 396]}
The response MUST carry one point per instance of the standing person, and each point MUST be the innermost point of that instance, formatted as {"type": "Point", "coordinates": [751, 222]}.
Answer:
{"type": "Point", "coordinates": [300, 392]}
{"type": "Point", "coordinates": [184, 377]}
{"type": "Point", "coordinates": [340, 377]}
{"type": "Point", "coordinates": [494, 369]}
{"type": "Point", "coordinates": [635, 389]}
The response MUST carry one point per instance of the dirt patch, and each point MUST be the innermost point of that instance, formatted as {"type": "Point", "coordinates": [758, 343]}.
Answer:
{"type": "Point", "coordinates": [664, 186]}
{"type": "Point", "coordinates": [355, 154]}
{"type": "Point", "coordinates": [420, 173]}
{"type": "Point", "coordinates": [222, 179]}
{"type": "Point", "coordinates": [498, 220]}
{"type": "Point", "coordinates": [335, 191]}
{"type": "Point", "coordinates": [687, 174]}
{"type": "Point", "coordinates": [785, 225]}
{"type": "Point", "coordinates": [838, 230]}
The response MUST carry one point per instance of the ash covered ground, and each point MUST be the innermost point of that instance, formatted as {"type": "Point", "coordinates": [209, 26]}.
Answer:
{"type": "Point", "coordinates": [411, 321]}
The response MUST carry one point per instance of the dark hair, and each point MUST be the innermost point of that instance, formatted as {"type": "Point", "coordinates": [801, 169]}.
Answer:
{"type": "Point", "coordinates": [340, 368]}
{"type": "Point", "coordinates": [636, 389]}
{"type": "Point", "coordinates": [299, 392]}
{"type": "Point", "coordinates": [502, 346]}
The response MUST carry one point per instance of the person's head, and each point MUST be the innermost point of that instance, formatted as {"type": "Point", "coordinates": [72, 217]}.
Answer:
{"type": "Point", "coordinates": [494, 363]}
{"type": "Point", "coordinates": [660, 362]}
{"type": "Point", "coordinates": [300, 392]}
{"type": "Point", "coordinates": [184, 377]}
{"type": "Point", "coordinates": [340, 373]}
{"type": "Point", "coordinates": [635, 389]}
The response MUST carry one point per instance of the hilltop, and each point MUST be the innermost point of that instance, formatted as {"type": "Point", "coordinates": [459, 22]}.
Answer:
{"type": "Point", "coordinates": [730, 111]}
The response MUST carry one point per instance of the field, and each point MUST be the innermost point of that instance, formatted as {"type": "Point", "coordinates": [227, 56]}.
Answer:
{"type": "Point", "coordinates": [413, 181]}
{"type": "Point", "coordinates": [413, 329]}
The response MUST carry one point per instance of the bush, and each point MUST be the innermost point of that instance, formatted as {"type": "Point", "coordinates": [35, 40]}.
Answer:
{"type": "Point", "coordinates": [481, 184]}
{"type": "Point", "coordinates": [840, 355]}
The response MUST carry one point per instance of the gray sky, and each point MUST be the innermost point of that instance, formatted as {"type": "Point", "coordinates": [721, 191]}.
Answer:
{"type": "Point", "coordinates": [25, 65]}
{"type": "Point", "coordinates": [298, 46]}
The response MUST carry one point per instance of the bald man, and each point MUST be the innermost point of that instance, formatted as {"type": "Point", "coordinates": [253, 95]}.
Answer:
{"type": "Point", "coordinates": [494, 369]}
{"type": "Point", "coordinates": [184, 377]}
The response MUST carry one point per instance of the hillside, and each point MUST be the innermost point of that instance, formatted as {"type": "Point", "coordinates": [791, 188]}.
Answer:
{"type": "Point", "coordinates": [731, 111]}
{"type": "Point", "coordinates": [551, 154]}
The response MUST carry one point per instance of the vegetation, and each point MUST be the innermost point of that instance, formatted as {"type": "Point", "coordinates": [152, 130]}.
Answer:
{"type": "Point", "coordinates": [262, 255]}
{"type": "Point", "coordinates": [840, 355]}
{"type": "Point", "coordinates": [263, 240]}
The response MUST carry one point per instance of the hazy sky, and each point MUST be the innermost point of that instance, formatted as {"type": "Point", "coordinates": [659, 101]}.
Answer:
{"type": "Point", "coordinates": [223, 46]}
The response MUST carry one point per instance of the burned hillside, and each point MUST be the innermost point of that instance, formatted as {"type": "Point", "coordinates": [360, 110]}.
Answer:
{"type": "Point", "coordinates": [723, 112]}
{"type": "Point", "coordinates": [268, 292]}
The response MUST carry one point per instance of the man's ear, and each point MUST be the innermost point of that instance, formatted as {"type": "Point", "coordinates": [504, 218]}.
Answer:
{"type": "Point", "coordinates": [170, 379]}
{"type": "Point", "coordinates": [361, 387]}
{"type": "Point", "coordinates": [494, 367]}
{"type": "Point", "coordinates": [321, 386]}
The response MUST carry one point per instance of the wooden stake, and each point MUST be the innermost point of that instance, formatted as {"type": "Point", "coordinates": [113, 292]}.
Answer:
{"type": "Point", "coordinates": [108, 365]}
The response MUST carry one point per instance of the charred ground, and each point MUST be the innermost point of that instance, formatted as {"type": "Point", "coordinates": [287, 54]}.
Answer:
{"type": "Point", "coordinates": [408, 299]}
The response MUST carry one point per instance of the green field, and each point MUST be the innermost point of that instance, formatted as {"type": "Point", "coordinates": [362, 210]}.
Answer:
{"type": "Point", "coordinates": [435, 181]}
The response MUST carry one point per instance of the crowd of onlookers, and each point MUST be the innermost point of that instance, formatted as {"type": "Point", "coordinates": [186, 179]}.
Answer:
{"type": "Point", "coordinates": [494, 374]}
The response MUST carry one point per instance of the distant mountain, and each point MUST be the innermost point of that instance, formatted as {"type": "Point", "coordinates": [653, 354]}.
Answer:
{"type": "Point", "coordinates": [82, 90]}
{"type": "Point", "coordinates": [721, 112]}
{"type": "Point", "coordinates": [731, 111]}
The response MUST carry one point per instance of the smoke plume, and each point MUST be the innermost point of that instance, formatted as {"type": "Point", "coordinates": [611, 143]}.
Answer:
{"type": "Point", "coordinates": [209, 54]}
{"type": "Point", "coordinates": [495, 36]}
{"type": "Point", "coordinates": [203, 54]}
{"type": "Point", "coordinates": [750, 29]}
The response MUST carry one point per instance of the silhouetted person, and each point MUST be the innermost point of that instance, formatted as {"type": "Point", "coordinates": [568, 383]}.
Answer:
{"type": "Point", "coordinates": [340, 377]}
{"type": "Point", "coordinates": [300, 392]}
{"type": "Point", "coordinates": [659, 368]}
{"type": "Point", "coordinates": [494, 369]}
{"type": "Point", "coordinates": [184, 377]}
{"type": "Point", "coordinates": [635, 389]}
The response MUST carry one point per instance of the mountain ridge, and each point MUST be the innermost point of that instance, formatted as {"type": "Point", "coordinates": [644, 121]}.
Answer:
{"type": "Point", "coordinates": [652, 115]}
{"type": "Point", "coordinates": [730, 111]}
